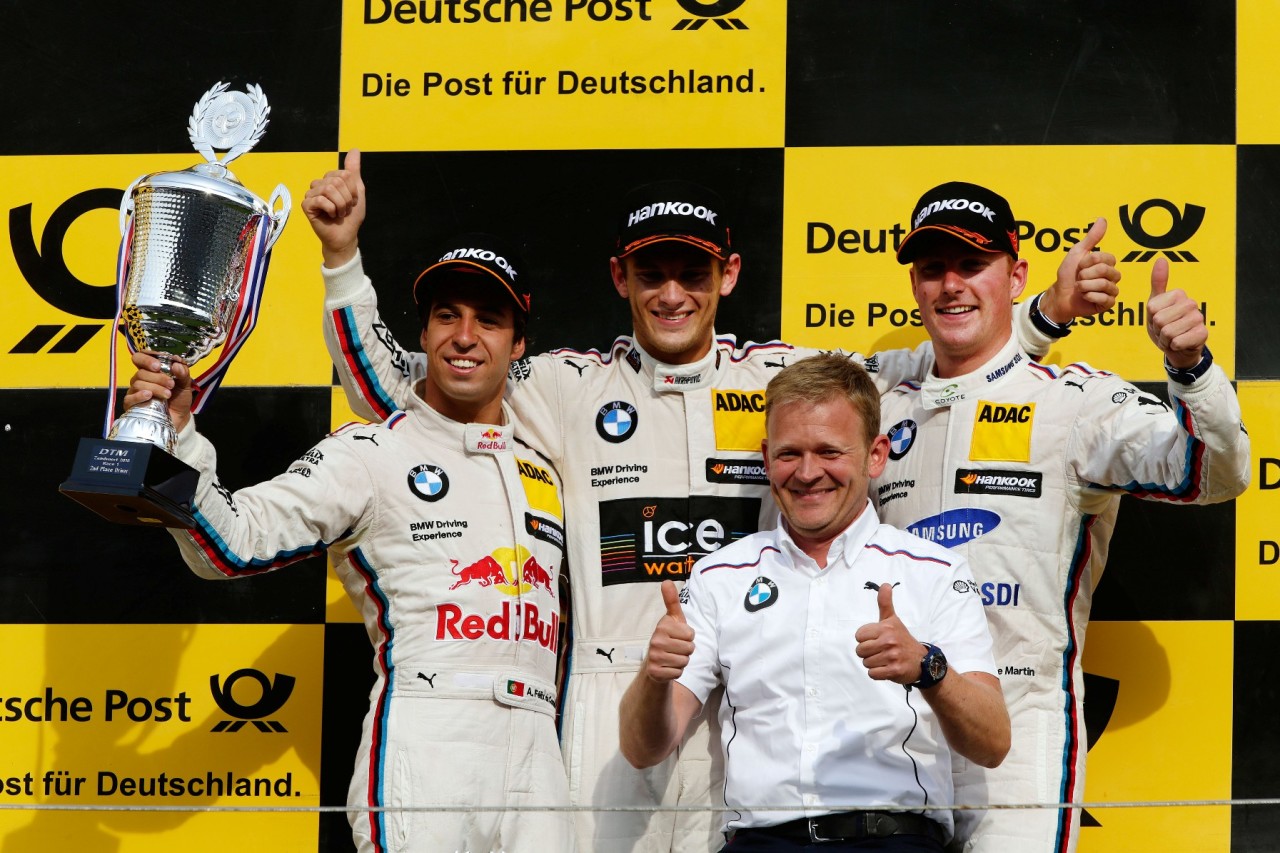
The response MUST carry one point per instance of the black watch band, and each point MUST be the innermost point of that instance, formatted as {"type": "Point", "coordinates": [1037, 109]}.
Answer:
{"type": "Point", "coordinates": [933, 667]}
{"type": "Point", "coordinates": [1044, 324]}
{"type": "Point", "coordinates": [1187, 375]}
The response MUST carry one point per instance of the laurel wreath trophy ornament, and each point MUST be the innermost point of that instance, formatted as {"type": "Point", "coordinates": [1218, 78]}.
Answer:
{"type": "Point", "coordinates": [193, 257]}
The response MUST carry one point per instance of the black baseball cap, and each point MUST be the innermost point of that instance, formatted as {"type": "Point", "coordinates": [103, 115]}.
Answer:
{"type": "Point", "coordinates": [479, 254]}
{"type": "Point", "coordinates": [967, 212]}
{"type": "Point", "coordinates": [673, 210]}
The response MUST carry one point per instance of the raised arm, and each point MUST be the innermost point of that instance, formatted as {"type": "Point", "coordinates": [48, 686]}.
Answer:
{"type": "Point", "coordinates": [969, 706]}
{"type": "Point", "coordinates": [1128, 440]}
{"type": "Point", "coordinates": [656, 710]}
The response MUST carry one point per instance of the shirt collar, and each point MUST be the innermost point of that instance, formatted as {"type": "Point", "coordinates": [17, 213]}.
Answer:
{"type": "Point", "coordinates": [937, 393]}
{"type": "Point", "coordinates": [680, 377]}
{"type": "Point", "coordinates": [844, 549]}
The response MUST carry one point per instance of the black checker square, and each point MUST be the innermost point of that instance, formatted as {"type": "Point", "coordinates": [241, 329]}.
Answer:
{"type": "Point", "coordinates": [64, 564]}
{"type": "Point", "coordinates": [1257, 297]}
{"type": "Point", "coordinates": [561, 208]}
{"type": "Point", "coordinates": [1255, 742]}
{"type": "Point", "coordinates": [1152, 574]}
{"type": "Point", "coordinates": [1060, 72]}
{"type": "Point", "coordinates": [118, 78]}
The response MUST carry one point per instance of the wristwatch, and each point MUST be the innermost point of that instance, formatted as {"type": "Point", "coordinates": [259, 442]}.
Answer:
{"type": "Point", "coordinates": [1057, 331]}
{"type": "Point", "coordinates": [933, 667]}
{"type": "Point", "coordinates": [1187, 375]}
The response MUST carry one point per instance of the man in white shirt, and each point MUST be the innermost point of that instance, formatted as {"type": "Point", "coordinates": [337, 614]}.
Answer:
{"type": "Point", "coordinates": [830, 701]}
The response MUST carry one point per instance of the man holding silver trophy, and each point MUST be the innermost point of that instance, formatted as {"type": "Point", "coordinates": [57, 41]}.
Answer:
{"type": "Point", "coordinates": [447, 531]}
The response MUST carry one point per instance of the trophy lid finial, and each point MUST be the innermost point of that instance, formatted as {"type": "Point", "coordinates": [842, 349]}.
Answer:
{"type": "Point", "coordinates": [228, 121]}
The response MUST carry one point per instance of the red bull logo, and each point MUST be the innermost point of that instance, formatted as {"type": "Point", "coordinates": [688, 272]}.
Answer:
{"type": "Point", "coordinates": [498, 570]}
{"type": "Point", "coordinates": [535, 575]}
{"type": "Point", "coordinates": [486, 571]}
{"type": "Point", "coordinates": [519, 623]}
{"type": "Point", "coordinates": [490, 433]}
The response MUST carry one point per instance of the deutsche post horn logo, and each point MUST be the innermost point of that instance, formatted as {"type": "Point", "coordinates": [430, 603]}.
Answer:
{"type": "Point", "coordinates": [45, 269]}
{"type": "Point", "coordinates": [713, 11]}
{"type": "Point", "coordinates": [272, 699]}
{"type": "Point", "coordinates": [1184, 225]}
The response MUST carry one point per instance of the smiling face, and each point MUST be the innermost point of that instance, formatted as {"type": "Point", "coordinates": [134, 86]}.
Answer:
{"type": "Point", "coordinates": [819, 464]}
{"type": "Point", "coordinates": [674, 290]}
{"type": "Point", "coordinates": [966, 301]}
{"type": "Point", "coordinates": [470, 341]}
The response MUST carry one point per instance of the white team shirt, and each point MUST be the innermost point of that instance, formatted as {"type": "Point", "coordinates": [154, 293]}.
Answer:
{"type": "Point", "coordinates": [802, 722]}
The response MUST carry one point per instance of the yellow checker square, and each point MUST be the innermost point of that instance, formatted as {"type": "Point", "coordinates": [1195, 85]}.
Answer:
{"type": "Point", "coordinates": [1257, 68]}
{"type": "Point", "coordinates": [61, 271]}
{"type": "Point", "coordinates": [738, 417]}
{"type": "Point", "coordinates": [1173, 686]}
{"type": "Point", "coordinates": [1002, 432]}
{"type": "Point", "coordinates": [846, 210]}
{"type": "Point", "coordinates": [1258, 509]}
{"type": "Point", "coordinates": [562, 74]}
{"type": "Point", "coordinates": [203, 715]}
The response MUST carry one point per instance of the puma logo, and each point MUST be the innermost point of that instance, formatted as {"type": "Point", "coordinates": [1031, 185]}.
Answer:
{"type": "Point", "coordinates": [608, 654]}
{"type": "Point", "coordinates": [431, 680]}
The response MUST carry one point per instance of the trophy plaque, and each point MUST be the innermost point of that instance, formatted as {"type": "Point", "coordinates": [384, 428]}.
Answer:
{"type": "Point", "coordinates": [194, 252]}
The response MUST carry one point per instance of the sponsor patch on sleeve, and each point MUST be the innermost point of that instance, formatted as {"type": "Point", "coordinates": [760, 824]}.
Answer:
{"type": "Point", "coordinates": [1002, 432]}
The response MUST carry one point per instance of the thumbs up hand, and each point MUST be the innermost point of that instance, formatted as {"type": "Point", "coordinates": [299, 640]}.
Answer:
{"type": "Point", "coordinates": [1174, 321]}
{"type": "Point", "coordinates": [1087, 281]}
{"type": "Point", "coordinates": [887, 649]}
{"type": "Point", "coordinates": [672, 641]}
{"type": "Point", "coordinates": [335, 206]}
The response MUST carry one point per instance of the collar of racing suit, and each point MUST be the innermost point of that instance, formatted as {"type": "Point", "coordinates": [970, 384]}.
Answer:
{"type": "Point", "coordinates": [680, 377]}
{"type": "Point", "coordinates": [475, 437]}
{"type": "Point", "coordinates": [936, 393]}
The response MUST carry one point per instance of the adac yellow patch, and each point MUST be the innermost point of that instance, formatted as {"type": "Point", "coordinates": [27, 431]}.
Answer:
{"type": "Point", "coordinates": [1002, 432]}
{"type": "Point", "coordinates": [539, 488]}
{"type": "Point", "coordinates": [739, 419]}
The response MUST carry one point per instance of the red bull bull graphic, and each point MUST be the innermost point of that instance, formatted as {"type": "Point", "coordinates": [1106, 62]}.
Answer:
{"type": "Point", "coordinates": [533, 574]}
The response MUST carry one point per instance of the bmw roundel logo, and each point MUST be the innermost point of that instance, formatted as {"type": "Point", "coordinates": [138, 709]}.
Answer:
{"type": "Point", "coordinates": [763, 593]}
{"type": "Point", "coordinates": [617, 421]}
{"type": "Point", "coordinates": [428, 482]}
{"type": "Point", "coordinates": [901, 436]}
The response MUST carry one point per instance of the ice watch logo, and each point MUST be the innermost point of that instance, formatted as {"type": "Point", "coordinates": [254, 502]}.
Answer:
{"type": "Point", "coordinates": [271, 700]}
{"type": "Point", "coordinates": [1185, 223]}
{"type": "Point", "coordinates": [45, 269]}
{"type": "Point", "coordinates": [714, 11]}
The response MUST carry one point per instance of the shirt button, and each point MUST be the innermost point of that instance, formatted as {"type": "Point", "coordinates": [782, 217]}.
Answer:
{"type": "Point", "coordinates": [808, 747]}
{"type": "Point", "coordinates": [813, 691]}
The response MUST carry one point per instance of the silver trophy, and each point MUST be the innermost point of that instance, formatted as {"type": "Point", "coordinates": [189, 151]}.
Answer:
{"type": "Point", "coordinates": [195, 251]}
{"type": "Point", "coordinates": [192, 236]}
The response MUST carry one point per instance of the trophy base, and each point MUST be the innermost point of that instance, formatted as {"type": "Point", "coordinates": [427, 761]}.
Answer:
{"type": "Point", "coordinates": [132, 483]}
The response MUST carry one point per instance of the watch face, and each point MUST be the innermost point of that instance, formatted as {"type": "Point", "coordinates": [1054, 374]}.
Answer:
{"type": "Point", "coordinates": [937, 667]}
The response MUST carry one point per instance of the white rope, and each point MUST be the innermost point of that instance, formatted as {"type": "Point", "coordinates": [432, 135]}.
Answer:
{"type": "Point", "coordinates": [1142, 804]}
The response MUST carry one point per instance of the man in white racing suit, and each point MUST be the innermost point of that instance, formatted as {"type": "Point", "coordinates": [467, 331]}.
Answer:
{"type": "Point", "coordinates": [447, 532]}
{"type": "Point", "coordinates": [658, 441]}
{"type": "Point", "coordinates": [1019, 467]}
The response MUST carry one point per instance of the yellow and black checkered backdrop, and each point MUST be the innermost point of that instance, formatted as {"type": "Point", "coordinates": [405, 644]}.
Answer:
{"type": "Point", "coordinates": [128, 681]}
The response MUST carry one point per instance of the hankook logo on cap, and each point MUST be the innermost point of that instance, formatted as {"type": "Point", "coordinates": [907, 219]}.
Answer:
{"type": "Point", "coordinates": [428, 482]}
{"type": "Point", "coordinates": [617, 421]}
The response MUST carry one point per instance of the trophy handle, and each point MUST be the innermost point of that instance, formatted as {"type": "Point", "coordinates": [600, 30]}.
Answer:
{"type": "Point", "coordinates": [126, 206]}
{"type": "Point", "coordinates": [278, 219]}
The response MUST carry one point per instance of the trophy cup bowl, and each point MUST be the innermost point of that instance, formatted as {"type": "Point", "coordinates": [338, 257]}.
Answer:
{"type": "Point", "coordinates": [194, 247]}
{"type": "Point", "coordinates": [193, 233]}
